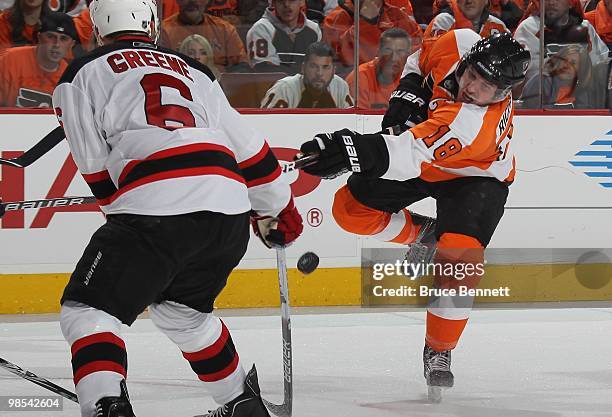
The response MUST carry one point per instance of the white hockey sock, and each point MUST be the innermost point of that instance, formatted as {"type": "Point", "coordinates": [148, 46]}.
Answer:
{"type": "Point", "coordinates": [99, 358]}
{"type": "Point", "coordinates": [206, 344]}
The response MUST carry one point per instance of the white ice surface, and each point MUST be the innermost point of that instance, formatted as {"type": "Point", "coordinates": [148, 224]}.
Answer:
{"type": "Point", "coordinates": [510, 363]}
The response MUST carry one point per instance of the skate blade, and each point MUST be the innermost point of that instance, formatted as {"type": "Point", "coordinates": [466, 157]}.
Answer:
{"type": "Point", "coordinates": [419, 253]}
{"type": "Point", "coordinates": [434, 394]}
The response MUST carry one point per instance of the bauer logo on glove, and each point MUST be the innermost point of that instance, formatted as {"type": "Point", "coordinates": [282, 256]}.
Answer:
{"type": "Point", "coordinates": [407, 104]}
{"type": "Point", "coordinates": [408, 96]}
{"type": "Point", "coordinates": [343, 151]}
{"type": "Point", "coordinates": [352, 153]}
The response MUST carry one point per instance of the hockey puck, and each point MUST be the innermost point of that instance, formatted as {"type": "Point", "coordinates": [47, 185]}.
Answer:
{"type": "Point", "coordinates": [308, 262]}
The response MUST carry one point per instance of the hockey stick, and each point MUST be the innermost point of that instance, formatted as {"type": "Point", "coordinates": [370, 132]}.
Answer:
{"type": "Point", "coordinates": [52, 202]}
{"type": "Point", "coordinates": [302, 162]}
{"type": "Point", "coordinates": [12, 368]}
{"type": "Point", "coordinates": [33, 154]}
{"type": "Point", "coordinates": [75, 201]}
{"type": "Point", "coordinates": [284, 409]}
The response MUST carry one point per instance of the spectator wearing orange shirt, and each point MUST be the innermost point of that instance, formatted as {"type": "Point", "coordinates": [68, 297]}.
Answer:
{"type": "Point", "coordinates": [509, 11]}
{"type": "Point", "coordinates": [227, 9]}
{"type": "Point", "coordinates": [29, 74]}
{"type": "Point", "coordinates": [169, 8]}
{"type": "Point", "coordinates": [317, 9]}
{"type": "Point", "coordinates": [462, 14]}
{"type": "Point", "coordinates": [379, 77]}
{"type": "Point", "coordinates": [84, 28]}
{"type": "Point", "coordinates": [375, 17]}
{"type": "Point", "coordinates": [19, 23]}
{"type": "Point", "coordinates": [405, 5]}
{"type": "Point", "coordinates": [192, 18]}
{"type": "Point", "coordinates": [601, 19]}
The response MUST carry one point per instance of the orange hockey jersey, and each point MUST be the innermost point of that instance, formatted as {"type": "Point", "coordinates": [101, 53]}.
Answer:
{"type": "Point", "coordinates": [457, 139]}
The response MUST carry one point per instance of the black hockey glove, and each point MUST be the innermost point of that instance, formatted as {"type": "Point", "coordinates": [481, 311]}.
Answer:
{"type": "Point", "coordinates": [407, 105]}
{"type": "Point", "coordinates": [345, 150]}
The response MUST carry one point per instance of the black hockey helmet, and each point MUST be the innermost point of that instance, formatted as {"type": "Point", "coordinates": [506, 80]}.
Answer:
{"type": "Point", "coordinates": [499, 59]}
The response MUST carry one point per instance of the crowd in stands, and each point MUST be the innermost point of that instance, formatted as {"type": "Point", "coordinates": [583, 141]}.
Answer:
{"type": "Point", "coordinates": [310, 54]}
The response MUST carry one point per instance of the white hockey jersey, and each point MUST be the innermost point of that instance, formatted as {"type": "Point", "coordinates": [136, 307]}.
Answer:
{"type": "Point", "coordinates": [270, 40]}
{"type": "Point", "coordinates": [152, 133]}
{"type": "Point", "coordinates": [287, 93]}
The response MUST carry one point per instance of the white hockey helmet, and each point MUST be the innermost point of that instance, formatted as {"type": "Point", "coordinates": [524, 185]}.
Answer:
{"type": "Point", "coordinates": [112, 16]}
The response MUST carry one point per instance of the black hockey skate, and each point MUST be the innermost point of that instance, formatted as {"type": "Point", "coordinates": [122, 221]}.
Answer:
{"type": "Point", "coordinates": [424, 247]}
{"type": "Point", "coordinates": [115, 406]}
{"type": "Point", "coordinates": [248, 404]}
{"type": "Point", "coordinates": [437, 372]}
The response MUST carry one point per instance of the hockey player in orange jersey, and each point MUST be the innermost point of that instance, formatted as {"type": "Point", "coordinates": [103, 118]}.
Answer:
{"type": "Point", "coordinates": [455, 100]}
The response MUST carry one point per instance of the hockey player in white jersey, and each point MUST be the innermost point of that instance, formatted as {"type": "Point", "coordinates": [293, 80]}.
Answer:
{"type": "Point", "coordinates": [178, 174]}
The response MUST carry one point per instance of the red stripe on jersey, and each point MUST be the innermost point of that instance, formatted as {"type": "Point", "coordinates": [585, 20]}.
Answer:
{"type": "Point", "coordinates": [210, 351]}
{"type": "Point", "coordinates": [179, 150]}
{"type": "Point", "coordinates": [96, 176]}
{"type": "Point", "coordinates": [106, 337]}
{"type": "Point", "coordinates": [265, 180]}
{"type": "Point", "coordinates": [178, 173]}
{"type": "Point", "coordinates": [127, 169]}
{"type": "Point", "coordinates": [222, 374]}
{"type": "Point", "coordinates": [255, 158]}
{"type": "Point", "coordinates": [104, 201]}
{"type": "Point", "coordinates": [133, 38]}
{"type": "Point", "coordinates": [98, 366]}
